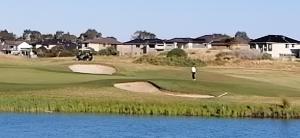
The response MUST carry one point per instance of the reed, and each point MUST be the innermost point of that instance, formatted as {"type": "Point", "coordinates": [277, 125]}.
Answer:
{"type": "Point", "coordinates": [40, 104]}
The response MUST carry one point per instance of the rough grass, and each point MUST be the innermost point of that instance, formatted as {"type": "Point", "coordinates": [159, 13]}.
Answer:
{"type": "Point", "coordinates": [48, 85]}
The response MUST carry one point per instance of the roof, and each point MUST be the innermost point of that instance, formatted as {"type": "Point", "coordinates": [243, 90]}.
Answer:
{"type": "Point", "coordinates": [49, 42]}
{"type": "Point", "coordinates": [144, 41]}
{"type": "Point", "coordinates": [222, 42]}
{"type": "Point", "coordinates": [187, 40]}
{"type": "Point", "coordinates": [213, 37]}
{"type": "Point", "coordinates": [181, 40]}
{"type": "Point", "coordinates": [103, 41]}
{"type": "Point", "coordinates": [6, 44]}
{"type": "Point", "coordinates": [13, 43]}
{"type": "Point", "coordinates": [239, 40]}
{"type": "Point", "coordinates": [275, 39]}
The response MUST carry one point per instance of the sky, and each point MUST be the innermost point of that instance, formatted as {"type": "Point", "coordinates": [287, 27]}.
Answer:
{"type": "Point", "coordinates": [165, 18]}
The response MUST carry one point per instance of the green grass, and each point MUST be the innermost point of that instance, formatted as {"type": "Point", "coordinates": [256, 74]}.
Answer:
{"type": "Point", "coordinates": [48, 85]}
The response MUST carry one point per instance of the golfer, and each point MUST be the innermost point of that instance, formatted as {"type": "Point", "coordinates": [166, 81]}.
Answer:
{"type": "Point", "coordinates": [194, 70]}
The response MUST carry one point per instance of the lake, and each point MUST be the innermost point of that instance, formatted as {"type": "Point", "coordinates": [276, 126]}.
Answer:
{"type": "Point", "coordinates": [90, 126]}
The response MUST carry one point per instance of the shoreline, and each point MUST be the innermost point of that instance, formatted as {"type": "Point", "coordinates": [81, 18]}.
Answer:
{"type": "Point", "coordinates": [218, 110]}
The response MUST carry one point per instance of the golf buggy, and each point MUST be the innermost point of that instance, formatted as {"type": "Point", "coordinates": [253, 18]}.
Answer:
{"type": "Point", "coordinates": [84, 55]}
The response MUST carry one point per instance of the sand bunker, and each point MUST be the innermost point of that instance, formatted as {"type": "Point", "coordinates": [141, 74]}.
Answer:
{"type": "Point", "coordinates": [147, 87]}
{"type": "Point", "coordinates": [93, 69]}
{"type": "Point", "coordinates": [138, 87]}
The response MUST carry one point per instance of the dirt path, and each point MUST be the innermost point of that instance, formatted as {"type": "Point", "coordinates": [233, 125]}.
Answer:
{"type": "Point", "coordinates": [146, 87]}
{"type": "Point", "coordinates": [93, 69]}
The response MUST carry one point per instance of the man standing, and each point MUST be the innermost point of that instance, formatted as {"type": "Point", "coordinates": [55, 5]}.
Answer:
{"type": "Point", "coordinates": [194, 70]}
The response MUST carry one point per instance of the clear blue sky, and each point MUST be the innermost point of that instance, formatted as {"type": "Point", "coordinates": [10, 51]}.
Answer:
{"type": "Point", "coordinates": [166, 18]}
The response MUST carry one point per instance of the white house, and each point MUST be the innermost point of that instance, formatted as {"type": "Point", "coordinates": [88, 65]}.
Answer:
{"type": "Point", "coordinates": [16, 48]}
{"type": "Point", "coordinates": [98, 44]}
{"type": "Point", "coordinates": [277, 46]}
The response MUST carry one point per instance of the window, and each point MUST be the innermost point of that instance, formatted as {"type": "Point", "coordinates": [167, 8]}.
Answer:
{"type": "Point", "coordinates": [253, 46]}
{"type": "Point", "coordinates": [151, 46]}
{"type": "Point", "coordinates": [270, 47]}
{"type": "Point", "coordinates": [286, 45]}
{"type": "Point", "coordinates": [260, 46]}
{"type": "Point", "coordinates": [293, 45]}
{"type": "Point", "coordinates": [265, 47]}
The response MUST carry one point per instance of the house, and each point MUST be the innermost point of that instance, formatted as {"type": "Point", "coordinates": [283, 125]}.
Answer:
{"type": "Point", "coordinates": [188, 43]}
{"type": "Point", "coordinates": [221, 41]}
{"type": "Point", "coordinates": [54, 46]}
{"type": "Point", "coordinates": [48, 44]}
{"type": "Point", "coordinates": [231, 43]}
{"type": "Point", "coordinates": [16, 47]}
{"type": "Point", "coordinates": [239, 43]}
{"type": "Point", "coordinates": [98, 44]}
{"type": "Point", "coordinates": [215, 41]}
{"type": "Point", "coordinates": [277, 46]}
{"type": "Point", "coordinates": [147, 45]}
{"type": "Point", "coordinates": [51, 43]}
{"type": "Point", "coordinates": [129, 50]}
{"type": "Point", "coordinates": [221, 44]}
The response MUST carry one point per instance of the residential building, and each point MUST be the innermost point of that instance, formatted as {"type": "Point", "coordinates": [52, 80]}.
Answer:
{"type": "Point", "coordinates": [48, 44]}
{"type": "Point", "coordinates": [129, 50]}
{"type": "Point", "coordinates": [148, 45]}
{"type": "Point", "coordinates": [51, 43]}
{"type": "Point", "coordinates": [188, 43]}
{"type": "Point", "coordinates": [214, 41]}
{"type": "Point", "coordinates": [239, 43]}
{"type": "Point", "coordinates": [98, 44]}
{"type": "Point", "coordinates": [16, 47]}
{"type": "Point", "coordinates": [277, 46]}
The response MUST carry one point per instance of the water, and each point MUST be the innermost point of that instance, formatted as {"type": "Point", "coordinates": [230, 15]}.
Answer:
{"type": "Point", "coordinates": [89, 126]}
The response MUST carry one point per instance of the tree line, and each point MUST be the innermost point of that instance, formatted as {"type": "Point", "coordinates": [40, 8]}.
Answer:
{"type": "Point", "coordinates": [36, 36]}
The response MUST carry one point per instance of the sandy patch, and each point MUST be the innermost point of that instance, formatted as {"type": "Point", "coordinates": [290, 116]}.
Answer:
{"type": "Point", "coordinates": [146, 87]}
{"type": "Point", "coordinates": [93, 69]}
{"type": "Point", "coordinates": [138, 87]}
{"type": "Point", "coordinates": [191, 95]}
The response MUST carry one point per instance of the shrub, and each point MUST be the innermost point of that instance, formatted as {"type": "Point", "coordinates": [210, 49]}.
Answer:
{"type": "Point", "coordinates": [285, 103]}
{"type": "Point", "coordinates": [266, 56]}
{"type": "Point", "coordinates": [169, 61]}
{"type": "Point", "coordinates": [110, 51]}
{"type": "Point", "coordinates": [246, 54]}
{"type": "Point", "coordinates": [225, 56]}
{"type": "Point", "coordinates": [177, 53]}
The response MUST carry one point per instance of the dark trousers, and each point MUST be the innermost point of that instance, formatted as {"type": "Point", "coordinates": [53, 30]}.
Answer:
{"type": "Point", "coordinates": [194, 75]}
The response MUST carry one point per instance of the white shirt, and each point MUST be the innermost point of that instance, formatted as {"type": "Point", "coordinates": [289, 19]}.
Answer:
{"type": "Point", "coordinates": [194, 69]}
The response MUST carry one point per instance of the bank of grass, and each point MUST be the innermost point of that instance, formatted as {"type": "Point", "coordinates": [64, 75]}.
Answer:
{"type": "Point", "coordinates": [206, 109]}
{"type": "Point", "coordinates": [47, 85]}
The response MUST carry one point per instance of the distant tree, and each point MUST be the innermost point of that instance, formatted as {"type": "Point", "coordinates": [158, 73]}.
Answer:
{"type": "Point", "coordinates": [32, 35]}
{"type": "Point", "coordinates": [69, 37]}
{"type": "Point", "coordinates": [27, 34]}
{"type": "Point", "coordinates": [5, 35]}
{"type": "Point", "coordinates": [47, 36]}
{"type": "Point", "coordinates": [143, 35]}
{"type": "Point", "coordinates": [36, 36]}
{"type": "Point", "coordinates": [58, 34]}
{"type": "Point", "coordinates": [243, 35]}
{"type": "Point", "coordinates": [91, 34]}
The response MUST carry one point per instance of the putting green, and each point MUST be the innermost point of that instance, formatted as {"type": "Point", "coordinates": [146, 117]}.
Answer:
{"type": "Point", "coordinates": [39, 76]}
